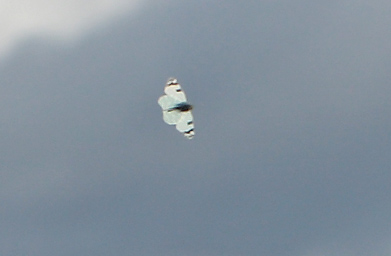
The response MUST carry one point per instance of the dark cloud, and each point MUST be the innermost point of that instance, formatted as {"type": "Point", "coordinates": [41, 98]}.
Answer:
{"type": "Point", "coordinates": [291, 154]}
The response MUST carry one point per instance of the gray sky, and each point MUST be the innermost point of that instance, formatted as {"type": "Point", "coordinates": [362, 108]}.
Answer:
{"type": "Point", "coordinates": [292, 112]}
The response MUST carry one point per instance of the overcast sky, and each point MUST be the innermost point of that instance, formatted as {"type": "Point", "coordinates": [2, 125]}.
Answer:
{"type": "Point", "coordinates": [292, 153]}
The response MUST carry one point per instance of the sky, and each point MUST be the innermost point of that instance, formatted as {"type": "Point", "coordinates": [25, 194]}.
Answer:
{"type": "Point", "coordinates": [292, 116]}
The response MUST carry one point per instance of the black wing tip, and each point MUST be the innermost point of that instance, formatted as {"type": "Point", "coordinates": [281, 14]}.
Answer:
{"type": "Point", "coordinates": [189, 134]}
{"type": "Point", "coordinates": [189, 131]}
{"type": "Point", "coordinates": [172, 81]}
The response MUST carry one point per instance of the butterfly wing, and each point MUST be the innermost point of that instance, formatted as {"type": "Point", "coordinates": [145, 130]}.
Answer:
{"type": "Point", "coordinates": [186, 125]}
{"type": "Point", "coordinates": [167, 102]}
{"type": "Point", "coordinates": [174, 90]}
{"type": "Point", "coordinates": [171, 117]}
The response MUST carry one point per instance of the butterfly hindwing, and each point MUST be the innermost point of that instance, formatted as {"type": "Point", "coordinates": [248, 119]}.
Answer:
{"type": "Point", "coordinates": [172, 117]}
{"type": "Point", "coordinates": [185, 124]}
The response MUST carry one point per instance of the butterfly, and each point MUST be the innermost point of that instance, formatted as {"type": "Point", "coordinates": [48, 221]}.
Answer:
{"type": "Point", "coordinates": [176, 109]}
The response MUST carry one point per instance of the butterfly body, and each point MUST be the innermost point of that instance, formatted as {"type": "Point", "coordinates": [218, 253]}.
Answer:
{"type": "Point", "coordinates": [183, 107]}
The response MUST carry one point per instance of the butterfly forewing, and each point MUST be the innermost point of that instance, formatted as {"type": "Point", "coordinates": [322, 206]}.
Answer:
{"type": "Point", "coordinates": [167, 102]}
{"type": "Point", "coordinates": [174, 90]}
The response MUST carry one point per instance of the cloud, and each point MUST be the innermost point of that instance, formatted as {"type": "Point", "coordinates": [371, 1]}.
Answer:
{"type": "Point", "coordinates": [58, 19]}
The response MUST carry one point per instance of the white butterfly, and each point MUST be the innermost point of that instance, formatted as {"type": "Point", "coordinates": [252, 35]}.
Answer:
{"type": "Point", "coordinates": [176, 109]}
